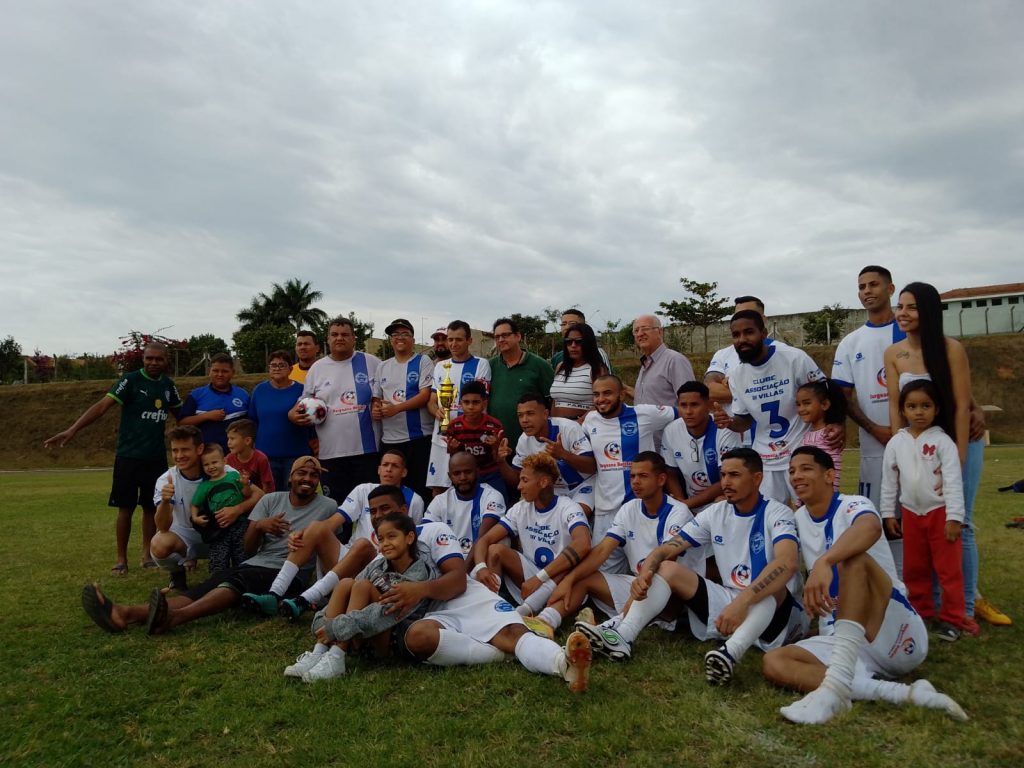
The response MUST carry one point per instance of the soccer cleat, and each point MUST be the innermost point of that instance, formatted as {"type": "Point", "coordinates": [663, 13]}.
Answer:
{"type": "Point", "coordinates": [988, 613]}
{"type": "Point", "coordinates": [539, 627]}
{"type": "Point", "coordinates": [605, 641]}
{"type": "Point", "coordinates": [329, 666]}
{"type": "Point", "coordinates": [923, 694]}
{"type": "Point", "coordinates": [718, 666]}
{"type": "Point", "coordinates": [817, 707]}
{"type": "Point", "coordinates": [946, 632]}
{"type": "Point", "coordinates": [586, 615]}
{"type": "Point", "coordinates": [262, 604]}
{"type": "Point", "coordinates": [578, 656]}
{"type": "Point", "coordinates": [305, 662]}
{"type": "Point", "coordinates": [292, 608]}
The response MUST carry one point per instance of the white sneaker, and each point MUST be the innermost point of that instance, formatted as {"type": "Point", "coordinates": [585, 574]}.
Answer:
{"type": "Point", "coordinates": [329, 666]}
{"type": "Point", "coordinates": [305, 662]}
{"type": "Point", "coordinates": [606, 641]}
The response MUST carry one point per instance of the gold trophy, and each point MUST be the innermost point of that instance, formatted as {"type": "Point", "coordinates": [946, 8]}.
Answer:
{"type": "Point", "coordinates": [445, 398]}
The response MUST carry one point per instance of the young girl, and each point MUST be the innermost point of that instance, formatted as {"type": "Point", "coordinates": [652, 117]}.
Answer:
{"type": "Point", "coordinates": [821, 404]}
{"type": "Point", "coordinates": [921, 465]}
{"type": "Point", "coordinates": [355, 611]}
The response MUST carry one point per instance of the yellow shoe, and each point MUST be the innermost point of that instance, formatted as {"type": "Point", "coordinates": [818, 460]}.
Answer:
{"type": "Point", "coordinates": [538, 627]}
{"type": "Point", "coordinates": [987, 612]}
{"type": "Point", "coordinates": [586, 616]}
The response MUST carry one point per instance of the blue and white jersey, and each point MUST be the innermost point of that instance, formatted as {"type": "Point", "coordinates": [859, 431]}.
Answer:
{"type": "Point", "coordinates": [234, 403]}
{"type": "Point", "coordinates": [615, 442]}
{"type": "Point", "coordinates": [699, 459]}
{"type": "Point", "coordinates": [571, 436]}
{"type": "Point", "coordinates": [638, 533]}
{"type": "Point", "coordinates": [356, 509]}
{"type": "Point", "coordinates": [767, 393]}
{"type": "Point", "coordinates": [743, 544]}
{"type": "Point", "coordinates": [818, 534]}
{"type": "Point", "coordinates": [464, 515]}
{"type": "Point", "coordinates": [543, 533]}
{"type": "Point", "coordinates": [397, 382]}
{"type": "Point", "coordinates": [859, 364]}
{"type": "Point", "coordinates": [473, 368]}
{"type": "Point", "coordinates": [346, 386]}
{"type": "Point", "coordinates": [435, 543]}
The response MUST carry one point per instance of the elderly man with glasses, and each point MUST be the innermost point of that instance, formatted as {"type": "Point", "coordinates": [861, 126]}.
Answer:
{"type": "Point", "coordinates": [662, 370]}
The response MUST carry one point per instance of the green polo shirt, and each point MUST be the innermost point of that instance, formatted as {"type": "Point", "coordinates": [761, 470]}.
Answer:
{"type": "Point", "coordinates": [145, 403]}
{"type": "Point", "coordinates": [508, 384]}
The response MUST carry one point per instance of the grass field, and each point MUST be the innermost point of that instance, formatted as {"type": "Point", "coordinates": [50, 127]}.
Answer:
{"type": "Point", "coordinates": [212, 694]}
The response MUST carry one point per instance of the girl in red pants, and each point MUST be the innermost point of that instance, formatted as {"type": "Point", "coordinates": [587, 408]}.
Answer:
{"type": "Point", "coordinates": [922, 467]}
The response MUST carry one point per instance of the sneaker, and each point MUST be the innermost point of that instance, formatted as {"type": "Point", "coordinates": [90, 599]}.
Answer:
{"type": "Point", "coordinates": [305, 662]}
{"type": "Point", "coordinates": [262, 604]}
{"type": "Point", "coordinates": [988, 613]}
{"type": "Point", "coordinates": [946, 631]}
{"type": "Point", "coordinates": [293, 607]}
{"type": "Point", "coordinates": [329, 665]}
{"type": "Point", "coordinates": [539, 627]}
{"type": "Point", "coordinates": [586, 615]}
{"type": "Point", "coordinates": [578, 656]}
{"type": "Point", "coordinates": [970, 627]}
{"type": "Point", "coordinates": [605, 641]}
{"type": "Point", "coordinates": [718, 665]}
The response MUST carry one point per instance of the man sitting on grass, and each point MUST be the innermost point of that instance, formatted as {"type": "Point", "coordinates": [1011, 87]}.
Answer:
{"type": "Point", "coordinates": [266, 541]}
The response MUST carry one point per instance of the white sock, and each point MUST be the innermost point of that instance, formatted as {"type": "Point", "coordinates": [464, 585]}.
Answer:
{"type": "Point", "coordinates": [321, 588]}
{"type": "Point", "coordinates": [171, 563]}
{"type": "Point", "coordinates": [551, 617]}
{"type": "Point", "coordinates": [284, 578]}
{"type": "Point", "coordinates": [848, 638]}
{"type": "Point", "coordinates": [872, 689]}
{"type": "Point", "coordinates": [455, 648]}
{"type": "Point", "coordinates": [320, 648]}
{"type": "Point", "coordinates": [524, 610]}
{"type": "Point", "coordinates": [759, 616]}
{"type": "Point", "coordinates": [817, 707]}
{"type": "Point", "coordinates": [538, 599]}
{"type": "Point", "coordinates": [538, 654]}
{"type": "Point", "coordinates": [643, 612]}
{"type": "Point", "coordinates": [613, 622]}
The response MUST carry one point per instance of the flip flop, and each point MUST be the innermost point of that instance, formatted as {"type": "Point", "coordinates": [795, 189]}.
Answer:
{"type": "Point", "coordinates": [156, 621]}
{"type": "Point", "coordinates": [149, 564]}
{"type": "Point", "coordinates": [121, 569]}
{"type": "Point", "coordinates": [99, 609]}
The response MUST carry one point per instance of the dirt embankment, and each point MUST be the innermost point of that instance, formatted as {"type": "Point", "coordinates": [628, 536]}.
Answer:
{"type": "Point", "coordinates": [30, 414]}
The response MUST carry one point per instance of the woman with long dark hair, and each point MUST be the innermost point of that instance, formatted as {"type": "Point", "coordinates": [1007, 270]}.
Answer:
{"type": "Point", "coordinates": [572, 389]}
{"type": "Point", "coordinates": [926, 352]}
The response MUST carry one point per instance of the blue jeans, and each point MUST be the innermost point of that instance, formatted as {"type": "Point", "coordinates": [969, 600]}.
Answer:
{"type": "Point", "coordinates": [972, 479]}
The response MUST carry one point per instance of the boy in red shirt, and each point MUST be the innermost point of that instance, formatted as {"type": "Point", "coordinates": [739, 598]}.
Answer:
{"type": "Point", "coordinates": [478, 433]}
{"type": "Point", "coordinates": [252, 464]}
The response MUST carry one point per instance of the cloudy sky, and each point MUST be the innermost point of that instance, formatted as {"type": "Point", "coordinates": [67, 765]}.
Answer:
{"type": "Point", "coordinates": [163, 162]}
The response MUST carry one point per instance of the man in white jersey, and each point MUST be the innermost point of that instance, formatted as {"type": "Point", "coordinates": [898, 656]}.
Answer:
{"type": "Point", "coordinates": [754, 542]}
{"type": "Point", "coordinates": [562, 439]}
{"type": "Point", "coordinates": [349, 437]}
{"type": "Point", "coordinates": [463, 367]}
{"type": "Point", "coordinates": [764, 389]}
{"type": "Point", "coordinates": [866, 625]}
{"type": "Point", "coordinates": [617, 433]}
{"type": "Point", "coordinates": [553, 537]}
{"type": "Point", "coordinates": [693, 447]}
{"type": "Point", "coordinates": [470, 508]}
{"type": "Point", "coordinates": [400, 396]}
{"type": "Point", "coordinates": [643, 523]}
{"type": "Point", "coordinates": [322, 540]}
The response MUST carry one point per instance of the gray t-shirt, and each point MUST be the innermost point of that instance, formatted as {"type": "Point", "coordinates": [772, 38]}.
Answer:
{"type": "Point", "coordinates": [274, 549]}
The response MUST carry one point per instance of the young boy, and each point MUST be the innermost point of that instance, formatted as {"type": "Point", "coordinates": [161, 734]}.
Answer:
{"type": "Point", "coordinates": [214, 510]}
{"type": "Point", "coordinates": [252, 464]}
{"type": "Point", "coordinates": [479, 434]}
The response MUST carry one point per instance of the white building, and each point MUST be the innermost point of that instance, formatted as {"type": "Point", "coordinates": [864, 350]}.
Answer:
{"type": "Point", "coordinates": [983, 310]}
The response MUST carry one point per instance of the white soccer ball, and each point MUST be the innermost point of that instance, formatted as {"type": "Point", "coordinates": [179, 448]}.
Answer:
{"type": "Point", "coordinates": [315, 408]}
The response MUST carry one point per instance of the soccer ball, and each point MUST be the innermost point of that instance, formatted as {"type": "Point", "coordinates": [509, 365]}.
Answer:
{"type": "Point", "coordinates": [315, 408]}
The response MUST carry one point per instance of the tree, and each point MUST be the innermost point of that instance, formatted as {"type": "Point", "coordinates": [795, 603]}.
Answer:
{"type": "Point", "coordinates": [288, 304]}
{"type": "Point", "coordinates": [43, 367]}
{"type": "Point", "coordinates": [253, 347]}
{"type": "Point", "coordinates": [825, 325]}
{"type": "Point", "coordinates": [533, 329]}
{"type": "Point", "coordinates": [11, 363]}
{"type": "Point", "coordinates": [199, 348]}
{"type": "Point", "coordinates": [128, 356]}
{"type": "Point", "coordinates": [703, 307]}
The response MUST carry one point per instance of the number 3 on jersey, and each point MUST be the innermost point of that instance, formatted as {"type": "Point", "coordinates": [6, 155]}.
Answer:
{"type": "Point", "coordinates": [772, 409]}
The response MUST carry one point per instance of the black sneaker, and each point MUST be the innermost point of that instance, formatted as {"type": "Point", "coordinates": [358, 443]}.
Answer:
{"type": "Point", "coordinates": [946, 631]}
{"type": "Point", "coordinates": [179, 580]}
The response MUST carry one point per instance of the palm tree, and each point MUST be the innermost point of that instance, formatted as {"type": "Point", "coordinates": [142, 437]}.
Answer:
{"type": "Point", "coordinates": [289, 304]}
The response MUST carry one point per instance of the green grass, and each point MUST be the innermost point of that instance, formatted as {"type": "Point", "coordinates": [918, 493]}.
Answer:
{"type": "Point", "coordinates": [212, 693]}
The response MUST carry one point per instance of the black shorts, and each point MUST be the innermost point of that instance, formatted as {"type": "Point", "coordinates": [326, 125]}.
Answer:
{"type": "Point", "coordinates": [698, 604]}
{"type": "Point", "coordinates": [134, 481]}
{"type": "Point", "coordinates": [343, 473]}
{"type": "Point", "coordinates": [248, 578]}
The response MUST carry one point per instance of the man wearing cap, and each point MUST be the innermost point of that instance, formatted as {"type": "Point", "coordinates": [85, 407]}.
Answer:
{"type": "Point", "coordinates": [266, 541]}
{"type": "Point", "coordinates": [514, 372]}
{"type": "Point", "coordinates": [440, 351]}
{"type": "Point", "coordinates": [400, 397]}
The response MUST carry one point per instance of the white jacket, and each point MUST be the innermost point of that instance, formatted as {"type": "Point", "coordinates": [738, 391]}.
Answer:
{"type": "Point", "coordinates": [924, 472]}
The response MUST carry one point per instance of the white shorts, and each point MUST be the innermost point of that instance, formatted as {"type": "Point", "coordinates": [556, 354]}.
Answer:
{"type": "Point", "coordinates": [195, 549]}
{"type": "Point", "coordinates": [437, 469]}
{"type": "Point", "coordinates": [583, 495]}
{"type": "Point", "coordinates": [900, 645]}
{"type": "Point", "coordinates": [719, 597]}
{"type": "Point", "coordinates": [618, 586]}
{"type": "Point", "coordinates": [616, 562]}
{"type": "Point", "coordinates": [530, 570]}
{"type": "Point", "coordinates": [775, 485]}
{"type": "Point", "coordinates": [871, 478]}
{"type": "Point", "coordinates": [477, 612]}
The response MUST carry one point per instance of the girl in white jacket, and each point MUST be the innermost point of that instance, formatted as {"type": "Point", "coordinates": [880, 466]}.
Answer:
{"type": "Point", "coordinates": [922, 467]}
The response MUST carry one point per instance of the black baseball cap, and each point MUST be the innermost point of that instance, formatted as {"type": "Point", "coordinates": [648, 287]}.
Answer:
{"type": "Point", "coordinates": [399, 323]}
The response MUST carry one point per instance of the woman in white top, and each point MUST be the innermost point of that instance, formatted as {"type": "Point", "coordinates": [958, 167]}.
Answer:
{"type": "Point", "coordinates": [572, 389]}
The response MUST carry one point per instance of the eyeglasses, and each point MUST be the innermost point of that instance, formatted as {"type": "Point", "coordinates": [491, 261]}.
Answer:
{"type": "Point", "coordinates": [402, 335]}
{"type": "Point", "coordinates": [501, 336]}
{"type": "Point", "coordinates": [574, 342]}
{"type": "Point", "coordinates": [278, 366]}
